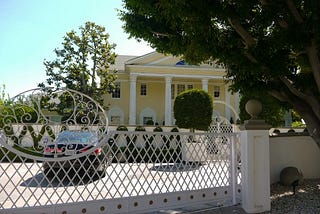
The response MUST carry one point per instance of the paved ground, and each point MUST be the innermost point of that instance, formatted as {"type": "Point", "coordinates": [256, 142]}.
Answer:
{"type": "Point", "coordinates": [203, 210]}
{"type": "Point", "coordinates": [223, 210]}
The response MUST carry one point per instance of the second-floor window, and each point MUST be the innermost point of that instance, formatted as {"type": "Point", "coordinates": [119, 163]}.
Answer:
{"type": "Point", "coordinates": [116, 92]}
{"type": "Point", "coordinates": [178, 88]}
{"type": "Point", "coordinates": [189, 87]}
{"type": "Point", "coordinates": [143, 89]}
{"type": "Point", "coordinates": [181, 88]}
{"type": "Point", "coordinates": [216, 91]}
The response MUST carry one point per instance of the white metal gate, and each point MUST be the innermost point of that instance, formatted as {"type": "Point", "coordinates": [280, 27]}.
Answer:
{"type": "Point", "coordinates": [78, 166]}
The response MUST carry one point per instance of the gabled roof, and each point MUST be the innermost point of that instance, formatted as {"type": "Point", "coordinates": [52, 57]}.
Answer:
{"type": "Point", "coordinates": [159, 59]}
{"type": "Point", "coordinates": [145, 59]}
{"type": "Point", "coordinates": [120, 62]}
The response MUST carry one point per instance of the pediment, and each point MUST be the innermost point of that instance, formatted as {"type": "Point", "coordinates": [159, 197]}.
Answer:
{"type": "Point", "coordinates": [167, 60]}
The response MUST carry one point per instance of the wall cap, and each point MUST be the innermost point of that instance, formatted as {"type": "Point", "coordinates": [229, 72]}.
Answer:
{"type": "Point", "coordinates": [254, 124]}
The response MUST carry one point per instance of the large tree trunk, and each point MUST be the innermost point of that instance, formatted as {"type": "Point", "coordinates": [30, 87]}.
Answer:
{"type": "Point", "coordinates": [307, 106]}
{"type": "Point", "coordinates": [312, 121]}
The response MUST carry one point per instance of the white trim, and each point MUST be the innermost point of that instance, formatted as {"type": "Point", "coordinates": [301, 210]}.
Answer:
{"type": "Point", "coordinates": [177, 75]}
{"type": "Point", "coordinates": [140, 57]}
{"type": "Point", "coordinates": [189, 67]}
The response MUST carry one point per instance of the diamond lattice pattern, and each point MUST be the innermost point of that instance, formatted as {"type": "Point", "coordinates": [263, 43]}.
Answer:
{"type": "Point", "coordinates": [129, 164]}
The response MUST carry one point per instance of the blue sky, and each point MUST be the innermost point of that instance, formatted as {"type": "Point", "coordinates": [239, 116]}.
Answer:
{"type": "Point", "coordinates": [32, 29]}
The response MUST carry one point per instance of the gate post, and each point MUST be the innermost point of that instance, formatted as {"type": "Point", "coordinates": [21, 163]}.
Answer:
{"type": "Point", "coordinates": [255, 164]}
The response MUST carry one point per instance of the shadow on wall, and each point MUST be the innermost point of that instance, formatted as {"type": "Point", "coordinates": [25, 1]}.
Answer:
{"type": "Point", "coordinates": [298, 151]}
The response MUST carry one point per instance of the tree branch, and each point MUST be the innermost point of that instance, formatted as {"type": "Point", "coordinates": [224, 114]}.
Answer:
{"type": "Point", "coordinates": [160, 34]}
{"type": "Point", "coordinates": [251, 58]}
{"type": "Point", "coordinates": [293, 9]}
{"type": "Point", "coordinates": [248, 39]}
{"type": "Point", "coordinates": [314, 62]}
{"type": "Point", "coordinates": [280, 96]}
{"type": "Point", "coordinates": [311, 100]}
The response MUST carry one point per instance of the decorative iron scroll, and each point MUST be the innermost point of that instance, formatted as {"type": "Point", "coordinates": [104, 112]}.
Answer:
{"type": "Point", "coordinates": [36, 117]}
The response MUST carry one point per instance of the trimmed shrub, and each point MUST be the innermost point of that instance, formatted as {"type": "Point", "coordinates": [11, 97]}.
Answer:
{"type": "Point", "coordinates": [174, 129]}
{"type": "Point", "coordinates": [122, 128]}
{"type": "Point", "coordinates": [158, 129]}
{"type": "Point", "coordinates": [193, 109]}
{"type": "Point", "coordinates": [140, 129]}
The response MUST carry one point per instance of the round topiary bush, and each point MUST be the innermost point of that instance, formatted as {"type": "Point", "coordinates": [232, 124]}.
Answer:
{"type": "Point", "coordinates": [193, 109]}
{"type": "Point", "coordinates": [140, 129]}
{"type": "Point", "coordinates": [122, 128]}
{"type": "Point", "coordinates": [120, 139]}
{"type": "Point", "coordinates": [175, 129]}
{"type": "Point", "coordinates": [158, 129]}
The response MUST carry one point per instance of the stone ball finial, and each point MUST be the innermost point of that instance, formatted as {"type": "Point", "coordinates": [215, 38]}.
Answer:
{"type": "Point", "coordinates": [254, 108]}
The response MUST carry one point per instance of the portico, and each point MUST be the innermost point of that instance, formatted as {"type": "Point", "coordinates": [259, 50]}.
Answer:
{"type": "Point", "coordinates": [168, 80]}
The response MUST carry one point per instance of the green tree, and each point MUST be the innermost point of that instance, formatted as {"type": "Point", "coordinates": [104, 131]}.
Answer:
{"type": "Point", "coordinates": [3, 96]}
{"type": "Point", "coordinates": [82, 64]}
{"type": "Point", "coordinates": [266, 46]}
{"type": "Point", "coordinates": [193, 109]}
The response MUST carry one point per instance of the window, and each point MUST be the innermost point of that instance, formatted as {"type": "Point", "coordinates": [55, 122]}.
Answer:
{"type": "Point", "coordinates": [115, 120]}
{"type": "Point", "coordinates": [181, 88]}
{"type": "Point", "coordinates": [143, 89]}
{"type": "Point", "coordinates": [216, 91]}
{"type": "Point", "coordinates": [116, 91]}
{"type": "Point", "coordinates": [147, 120]}
{"type": "Point", "coordinates": [172, 91]}
{"type": "Point", "coordinates": [181, 62]}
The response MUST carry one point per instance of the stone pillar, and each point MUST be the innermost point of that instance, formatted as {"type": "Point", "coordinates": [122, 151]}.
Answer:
{"type": "Point", "coordinates": [205, 84]}
{"type": "Point", "coordinates": [132, 104]}
{"type": "Point", "coordinates": [255, 162]}
{"type": "Point", "coordinates": [168, 113]}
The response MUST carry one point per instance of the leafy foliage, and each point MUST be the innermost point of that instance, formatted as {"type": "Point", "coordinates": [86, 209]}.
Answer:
{"type": "Point", "coordinates": [122, 128]}
{"type": "Point", "coordinates": [140, 129]}
{"type": "Point", "coordinates": [193, 109]}
{"type": "Point", "coordinates": [18, 112]}
{"type": "Point", "coordinates": [266, 46]}
{"type": "Point", "coordinates": [158, 129]}
{"type": "Point", "coordinates": [83, 62]}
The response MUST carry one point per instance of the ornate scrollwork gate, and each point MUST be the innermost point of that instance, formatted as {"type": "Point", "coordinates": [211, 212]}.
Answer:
{"type": "Point", "coordinates": [58, 156]}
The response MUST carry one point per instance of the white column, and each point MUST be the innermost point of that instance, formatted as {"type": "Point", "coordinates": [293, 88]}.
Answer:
{"type": "Point", "coordinates": [228, 98]}
{"type": "Point", "coordinates": [255, 170]}
{"type": "Point", "coordinates": [133, 96]}
{"type": "Point", "coordinates": [168, 118]}
{"type": "Point", "coordinates": [236, 104]}
{"type": "Point", "coordinates": [205, 84]}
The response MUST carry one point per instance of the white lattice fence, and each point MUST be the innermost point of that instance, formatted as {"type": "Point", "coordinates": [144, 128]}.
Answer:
{"type": "Point", "coordinates": [167, 164]}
